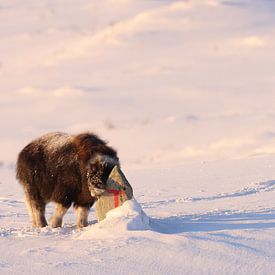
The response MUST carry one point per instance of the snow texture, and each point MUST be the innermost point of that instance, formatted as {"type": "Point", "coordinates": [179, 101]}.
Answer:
{"type": "Point", "coordinates": [184, 90]}
{"type": "Point", "coordinates": [127, 217]}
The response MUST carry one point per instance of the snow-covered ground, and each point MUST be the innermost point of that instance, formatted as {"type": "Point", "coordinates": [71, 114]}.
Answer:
{"type": "Point", "coordinates": [184, 90]}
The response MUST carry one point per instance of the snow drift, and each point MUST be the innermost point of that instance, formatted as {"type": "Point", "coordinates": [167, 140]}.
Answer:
{"type": "Point", "coordinates": [186, 96]}
{"type": "Point", "coordinates": [128, 217]}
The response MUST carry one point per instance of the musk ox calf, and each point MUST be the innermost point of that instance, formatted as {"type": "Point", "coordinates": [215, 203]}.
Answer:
{"type": "Point", "coordinates": [64, 169]}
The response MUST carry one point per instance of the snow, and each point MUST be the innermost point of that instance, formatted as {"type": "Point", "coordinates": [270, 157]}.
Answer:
{"type": "Point", "coordinates": [184, 90]}
{"type": "Point", "coordinates": [118, 221]}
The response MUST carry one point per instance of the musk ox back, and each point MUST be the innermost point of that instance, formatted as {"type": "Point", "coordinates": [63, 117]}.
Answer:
{"type": "Point", "coordinates": [64, 169]}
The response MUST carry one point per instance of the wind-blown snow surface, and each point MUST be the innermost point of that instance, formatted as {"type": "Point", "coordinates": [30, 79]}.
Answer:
{"type": "Point", "coordinates": [184, 90]}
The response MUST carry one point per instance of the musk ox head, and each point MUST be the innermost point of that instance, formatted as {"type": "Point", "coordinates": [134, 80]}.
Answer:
{"type": "Point", "coordinates": [98, 171]}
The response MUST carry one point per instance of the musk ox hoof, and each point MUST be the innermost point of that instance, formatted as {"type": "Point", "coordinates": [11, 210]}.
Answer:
{"type": "Point", "coordinates": [40, 224]}
{"type": "Point", "coordinates": [54, 223]}
{"type": "Point", "coordinates": [81, 225]}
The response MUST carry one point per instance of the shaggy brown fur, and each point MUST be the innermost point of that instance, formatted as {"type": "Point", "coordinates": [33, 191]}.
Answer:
{"type": "Point", "coordinates": [64, 169]}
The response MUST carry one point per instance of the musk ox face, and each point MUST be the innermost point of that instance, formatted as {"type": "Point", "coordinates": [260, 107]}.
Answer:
{"type": "Point", "coordinates": [65, 169]}
{"type": "Point", "coordinates": [98, 171]}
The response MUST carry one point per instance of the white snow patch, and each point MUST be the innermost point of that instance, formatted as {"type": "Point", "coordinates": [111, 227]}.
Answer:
{"type": "Point", "coordinates": [62, 92]}
{"type": "Point", "coordinates": [253, 41]}
{"type": "Point", "coordinates": [128, 217]}
{"type": "Point", "coordinates": [192, 89]}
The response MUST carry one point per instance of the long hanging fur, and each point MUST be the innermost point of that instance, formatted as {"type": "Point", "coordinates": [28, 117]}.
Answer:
{"type": "Point", "coordinates": [65, 169]}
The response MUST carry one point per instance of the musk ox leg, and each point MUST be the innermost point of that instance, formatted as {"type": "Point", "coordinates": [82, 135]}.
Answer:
{"type": "Point", "coordinates": [82, 216]}
{"type": "Point", "coordinates": [36, 211]}
{"type": "Point", "coordinates": [59, 212]}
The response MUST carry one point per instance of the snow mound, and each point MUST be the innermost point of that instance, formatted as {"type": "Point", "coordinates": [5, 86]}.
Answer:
{"type": "Point", "coordinates": [127, 217]}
